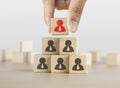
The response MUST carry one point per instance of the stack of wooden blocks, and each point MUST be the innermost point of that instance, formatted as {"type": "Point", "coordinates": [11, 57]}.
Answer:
{"type": "Point", "coordinates": [59, 54]}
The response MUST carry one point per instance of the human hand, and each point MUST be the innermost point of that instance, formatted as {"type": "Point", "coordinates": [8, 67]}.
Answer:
{"type": "Point", "coordinates": [75, 8]}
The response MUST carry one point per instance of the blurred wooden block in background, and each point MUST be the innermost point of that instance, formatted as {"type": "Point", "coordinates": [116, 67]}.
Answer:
{"type": "Point", "coordinates": [26, 46]}
{"type": "Point", "coordinates": [18, 57]}
{"type": "Point", "coordinates": [89, 58]}
{"type": "Point", "coordinates": [1, 56]}
{"type": "Point", "coordinates": [7, 54]}
{"type": "Point", "coordinates": [31, 56]}
{"type": "Point", "coordinates": [95, 56]}
{"type": "Point", "coordinates": [113, 59]}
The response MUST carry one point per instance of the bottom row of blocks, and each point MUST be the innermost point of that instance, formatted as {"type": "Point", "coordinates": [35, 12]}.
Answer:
{"type": "Point", "coordinates": [60, 63]}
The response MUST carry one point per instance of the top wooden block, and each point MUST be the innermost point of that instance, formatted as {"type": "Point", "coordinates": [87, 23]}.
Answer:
{"type": "Point", "coordinates": [59, 26]}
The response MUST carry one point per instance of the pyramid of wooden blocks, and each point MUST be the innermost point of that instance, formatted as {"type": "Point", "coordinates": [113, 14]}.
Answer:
{"type": "Point", "coordinates": [113, 59]}
{"type": "Point", "coordinates": [59, 26]}
{"type": "Point", "coordinates": [59, 54]}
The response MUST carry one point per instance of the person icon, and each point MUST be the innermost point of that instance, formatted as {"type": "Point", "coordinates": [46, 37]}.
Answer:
{"type": "Point", "coordinates": [42, 64]}
{"type": "Point", "coordinates": [77, 66]}
{"type": "Point", "coordinates": [50, 47]}
{"type": "Point", "coordinates": [60, 65]}
{"type": "Point", "coordinates": [59, 27]}
{"type": "Point", "coordinates": [68, 47]}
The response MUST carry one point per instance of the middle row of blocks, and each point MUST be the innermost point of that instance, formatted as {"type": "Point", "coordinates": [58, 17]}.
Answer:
{"type": "Point", "coordinates": [63, 45]}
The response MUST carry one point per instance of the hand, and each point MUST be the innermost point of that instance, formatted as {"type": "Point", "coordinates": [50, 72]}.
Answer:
{"type": "Point", "coordinates": [75, 8]}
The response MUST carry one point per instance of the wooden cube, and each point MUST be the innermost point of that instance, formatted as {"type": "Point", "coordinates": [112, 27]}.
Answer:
{"type": "Point", "coordinates": [26, 46]}
{"type": "Point", "coordinates": [95, 56]}
{"type": "Point", "coordinates": [7, 54]}
{"type": "Point", "coordinates": [78, 64]}
{"type": "Point", "coordinates": [59, 63]}
{"type": "Point", "coordinates": [59, 26]}
{"type": "Point", "coordinates": [113, 59]}
{"type": "Point", "coordinates": [18, 57]}
{"type": "Point", "coordinates": [89, 57]}
{"type": "Point", "coordinates": [42, 63]}
{"type": "Point", "coordinates": [50, 45]}
{"type": "Point", "coordinates": [68, 45]}
{"type": "Point", "coordinates": [30, 57]}
{"type": "Point", "coordinates": [1, 56]}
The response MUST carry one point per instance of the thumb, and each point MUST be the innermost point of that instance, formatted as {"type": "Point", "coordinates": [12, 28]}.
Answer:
{"type": "Point", "coordinates": [74, 14]}
{"type": "Point", "coordinates": [49, 7]}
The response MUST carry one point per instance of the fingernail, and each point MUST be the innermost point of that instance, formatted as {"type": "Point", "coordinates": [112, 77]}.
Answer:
{"type": "Point", "coordinates": [72, 26]}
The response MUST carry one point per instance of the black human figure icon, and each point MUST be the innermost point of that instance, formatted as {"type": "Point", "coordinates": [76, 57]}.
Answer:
{"type": "Point", "coordinates": [77, 66]}
{"type": "Point", "coordinates": [68, 47]}
{"type": "Point", "coordinates": [50, 47]}
{"type": "Point", "coordinates": [42, 64]}
{"type": "Point", "coordinates": [60, 65]}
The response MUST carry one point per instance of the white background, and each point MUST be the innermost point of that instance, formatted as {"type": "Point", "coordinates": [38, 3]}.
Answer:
{"type": "Point", "coordinates": [23, 20]}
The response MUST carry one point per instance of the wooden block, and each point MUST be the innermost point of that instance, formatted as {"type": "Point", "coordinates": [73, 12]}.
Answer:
{"type": "Point", "coordinates": [1, 56]}
{"type": "Point", "coordinates": [95, 56]}
{"type": "Point", "coordinates": [26, 46]}
{"type": "Point", "coordinates": [50, 45]}
{"type": "Point", "coordinates": [59, 26]}
{"type": "Point", "coordinates": [7, 54]}
{"type": "Point", "coordinates": [18, 57]}
{"type": "Point", "coordinates": [30, 57]}
{"type": "Point", "coordinates": [78, 64]}
{"type": "Point", "coordinates": [59, 63]}
{"type": "Point", "coordinates": [89, 57]}
{"type": "Point", "coordinates": [113, 59]}
{"type": "Point", "coordinates": [42, 63]}
{"type": "Point", "coordinates": [68, 45]}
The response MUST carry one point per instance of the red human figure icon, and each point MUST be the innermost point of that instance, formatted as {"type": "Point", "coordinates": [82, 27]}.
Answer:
{"type": "Point", "coordinates": [59, 27]}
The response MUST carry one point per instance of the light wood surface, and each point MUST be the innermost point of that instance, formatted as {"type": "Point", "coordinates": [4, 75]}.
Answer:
{"type": "Point", "coordinates": [22, 76]}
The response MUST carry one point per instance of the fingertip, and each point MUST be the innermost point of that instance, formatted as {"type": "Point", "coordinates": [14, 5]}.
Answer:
{"type": "Point", "coordinates": [73, 31]}
{"type": "Point", "coordinates": [72, 26]}
{"type": "Point", "coordinates": [48, 23]}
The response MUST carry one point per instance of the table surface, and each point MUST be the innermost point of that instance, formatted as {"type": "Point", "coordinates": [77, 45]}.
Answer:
{"type": "Point", "coordinates": [21, 76]}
